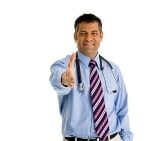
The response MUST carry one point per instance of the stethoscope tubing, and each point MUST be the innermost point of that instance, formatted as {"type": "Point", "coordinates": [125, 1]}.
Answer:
{"type": "Point", "coordinates": [81, 85]}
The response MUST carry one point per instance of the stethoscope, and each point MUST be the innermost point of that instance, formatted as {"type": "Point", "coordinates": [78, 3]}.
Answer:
{"type": "Point", "coordinates": [81, 85]}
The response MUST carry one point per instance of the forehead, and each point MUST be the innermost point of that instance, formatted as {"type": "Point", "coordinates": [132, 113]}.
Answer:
{"type": "Point", "coordinates": [88, 26]}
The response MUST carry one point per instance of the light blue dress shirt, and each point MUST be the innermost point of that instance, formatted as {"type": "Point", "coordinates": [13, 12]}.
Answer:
{"type": "Point", "coordinates": [75, 106]}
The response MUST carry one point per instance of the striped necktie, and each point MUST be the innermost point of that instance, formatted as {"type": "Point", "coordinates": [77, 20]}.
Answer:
{"type": "Point", "coordinates": [98, 105]}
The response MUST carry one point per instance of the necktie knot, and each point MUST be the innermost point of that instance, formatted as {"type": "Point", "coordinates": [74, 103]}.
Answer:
{"type": "Point", "coordinates": [92, 63]}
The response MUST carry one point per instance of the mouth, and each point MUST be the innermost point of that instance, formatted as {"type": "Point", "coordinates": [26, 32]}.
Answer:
{"type": "Point", "coordinates": [88, 44]}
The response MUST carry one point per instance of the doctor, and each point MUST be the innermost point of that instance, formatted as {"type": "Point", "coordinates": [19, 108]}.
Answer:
{"type": "Point", "coordinates": [75, 101]}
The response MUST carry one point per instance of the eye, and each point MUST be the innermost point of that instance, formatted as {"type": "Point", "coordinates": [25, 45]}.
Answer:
{"type": "Point", "coordinates": [82, 33]}
{"type": "Point", "coordinates": [95, 33]}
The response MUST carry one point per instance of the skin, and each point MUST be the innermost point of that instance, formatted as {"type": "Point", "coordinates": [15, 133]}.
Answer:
{"type": "Point", "coordinates": [88, 37]}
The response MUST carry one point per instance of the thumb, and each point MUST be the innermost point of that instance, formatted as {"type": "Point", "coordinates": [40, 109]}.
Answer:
{"type": "Point", "coordinates": [72, 60]}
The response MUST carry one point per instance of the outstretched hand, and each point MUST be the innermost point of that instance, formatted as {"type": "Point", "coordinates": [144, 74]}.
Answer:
{"type": "Point", "coordinates": [68, 77]}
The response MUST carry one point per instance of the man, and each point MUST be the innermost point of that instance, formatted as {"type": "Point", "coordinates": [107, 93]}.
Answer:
{"type": "Point", "coordinates": [91, 92]}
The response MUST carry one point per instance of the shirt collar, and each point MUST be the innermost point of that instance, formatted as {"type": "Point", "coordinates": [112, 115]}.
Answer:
{"type": "Point", "coordinates": [85, 59]}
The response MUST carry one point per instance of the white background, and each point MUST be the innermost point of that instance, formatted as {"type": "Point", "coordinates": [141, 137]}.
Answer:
{"type": "Point", "coordinates": [35, 33]}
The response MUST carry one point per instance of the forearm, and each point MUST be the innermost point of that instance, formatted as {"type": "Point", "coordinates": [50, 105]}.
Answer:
{"type": "Point", "coordinates": [125, 134]}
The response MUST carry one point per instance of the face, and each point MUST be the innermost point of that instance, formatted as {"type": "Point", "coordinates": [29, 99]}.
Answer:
{"type": "Point", "coordinates": [88, 38]}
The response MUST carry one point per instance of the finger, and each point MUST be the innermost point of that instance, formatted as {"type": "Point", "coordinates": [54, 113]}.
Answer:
{"type": "Point", "coordinates": [72, 60]}
{"type": "Point", "coordinates": [70, 81]}
{"type": "Point", "coordinates": [71, 84]}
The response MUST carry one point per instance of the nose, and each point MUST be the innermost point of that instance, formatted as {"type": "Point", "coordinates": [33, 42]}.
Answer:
{"type": "Point", "coordinates": [88, 37]}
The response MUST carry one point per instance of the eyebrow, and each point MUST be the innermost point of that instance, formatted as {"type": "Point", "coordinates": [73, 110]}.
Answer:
{"type": "Point", "coordinates": [91, 31]}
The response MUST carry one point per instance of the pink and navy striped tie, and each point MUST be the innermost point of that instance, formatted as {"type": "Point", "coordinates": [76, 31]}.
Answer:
{"type": "Point", "coordinates": [98, 105]}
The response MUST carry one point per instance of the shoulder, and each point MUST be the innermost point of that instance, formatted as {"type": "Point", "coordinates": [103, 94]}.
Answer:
{"type": "Point", "coordinates": [115, 67]}
{"type": "Point", "coordinates": [110, 65]}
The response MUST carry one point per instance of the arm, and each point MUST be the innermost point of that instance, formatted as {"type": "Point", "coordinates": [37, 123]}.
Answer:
{"type": "Point", "coordinates": [122, 109]}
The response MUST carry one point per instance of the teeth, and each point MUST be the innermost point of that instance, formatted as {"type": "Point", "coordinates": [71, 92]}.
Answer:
{"type": "Point", "coordinates": [88, 44]}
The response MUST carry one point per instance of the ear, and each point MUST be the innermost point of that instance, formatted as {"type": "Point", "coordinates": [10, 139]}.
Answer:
{"type": "Point", "coordinates": [101, 35]}
{"type": "Point", "coordinates": [75, 36]}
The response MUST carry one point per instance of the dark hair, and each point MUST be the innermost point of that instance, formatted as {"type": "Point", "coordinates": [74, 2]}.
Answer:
{"type": "Point", "coordinates": [87, 18]}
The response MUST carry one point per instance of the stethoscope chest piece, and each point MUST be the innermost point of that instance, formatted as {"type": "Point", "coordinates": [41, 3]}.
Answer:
{"type": "Point", "coordinates": [81, 87]}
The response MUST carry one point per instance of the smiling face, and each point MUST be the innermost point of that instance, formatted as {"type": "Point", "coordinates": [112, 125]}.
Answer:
{"type": "Point", "coordinates": [88, 37]}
